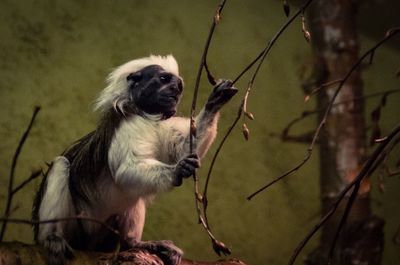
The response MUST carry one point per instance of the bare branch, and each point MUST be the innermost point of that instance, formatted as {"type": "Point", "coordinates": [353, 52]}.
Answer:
{"type": "Point", "coordinates": [310, 148]}
{"type": "Point", "coordinates": [303, 138]}
{"type": "Point", "coordinates": [12, 171]}
{"type": "Point", "coordinates": [299, 165]}
{"type": "Point", "coordinates": [365, 171]}
{"type": "Point", "coordinates": [220, 146]}
{"type": "Point", "coordinates": [271, 43]}
{"type": "Point", "coordinates": [307, 113]}
{"type": "Point", "coordinates": [33, 176]}
{"type": "Point", "coordinates": [394, 173]}
{"type": "Point", "coordinates": [345, 215]}
{"type": "Point", "coordinates": [261, 56]}
{"type": "Point", "coordinates": [217, 245]}
{"type": "Point", "coordinates": [57, 220]}
{"type": "Point", "coordinates": [324, 85]}
{"type": "Point", "coordinates": [396, 237]}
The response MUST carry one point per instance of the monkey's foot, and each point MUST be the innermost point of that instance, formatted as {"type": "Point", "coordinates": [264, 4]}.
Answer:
{"type": "Point", "coordinates": [132, 256]}
{"type": "Point", "coordinates": [57, 249]}
{"type": "Point", "coordinates": [165, 249]}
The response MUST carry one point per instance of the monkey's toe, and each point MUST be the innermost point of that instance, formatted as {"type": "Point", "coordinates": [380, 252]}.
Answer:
{"type": "Point", "coordinates": [169, 253]}
{"type": "Point", "coordinates": [164, 249]}
{"type": "Point", "coordinates": [58, 250]}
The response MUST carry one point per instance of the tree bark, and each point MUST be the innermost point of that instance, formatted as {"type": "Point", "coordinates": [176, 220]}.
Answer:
{"type": "Point", "coordinates": [16, 253]}
{"type": "Point", "coordinates": [343, 138]}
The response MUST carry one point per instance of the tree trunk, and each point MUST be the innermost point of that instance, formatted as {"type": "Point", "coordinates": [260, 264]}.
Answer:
{"type": "Point", "coordinates": [343, 138]}
{"type": "Point", "coordinates": [16, 253]}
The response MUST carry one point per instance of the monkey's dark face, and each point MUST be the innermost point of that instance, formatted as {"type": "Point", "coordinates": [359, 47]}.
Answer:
{"type": "Point", "coordinates": [155, 91]}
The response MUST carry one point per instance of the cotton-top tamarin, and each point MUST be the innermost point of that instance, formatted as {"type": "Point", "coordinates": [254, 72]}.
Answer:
{"type": "Point", "coordinates": [139, 148]}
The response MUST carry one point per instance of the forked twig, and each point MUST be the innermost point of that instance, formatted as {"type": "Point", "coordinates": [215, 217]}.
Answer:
{"type": "Point", "coordinates": [243, 107]}
{"type": "Point", "coordinates": [388, 36]}
{"type": "Point", "coordinates": [33, 176]}
{"type": "Point", "coordinates": [10, 189]}
{"type": "Point", "coordinates": [307, 113]}
{"type": "Point", "coordinates": [205, 202]}
{"type": "Point", "coordinates": [217, 245]}
{"type": "Point", "coordinates": [271, 43]}
{"type": "Point", "coordinates": [366, 170]}
{"type": "Point", "coordinates": [316, 89]}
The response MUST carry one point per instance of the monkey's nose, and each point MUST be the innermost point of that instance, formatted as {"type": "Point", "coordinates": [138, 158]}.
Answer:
{"type": "Point", "coordinates": [174, 91]}
{"type": "Point", "coordinates": [175, 88]}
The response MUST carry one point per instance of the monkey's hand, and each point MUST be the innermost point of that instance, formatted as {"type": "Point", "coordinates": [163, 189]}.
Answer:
{"type": "Point", "coordinates": [221, 94]}
{"type": "Point", "coordinates": [185, 168]}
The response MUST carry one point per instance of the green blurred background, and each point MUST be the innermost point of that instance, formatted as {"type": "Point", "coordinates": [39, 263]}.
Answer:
{"type": "Point", "coordinates": [56, 54]}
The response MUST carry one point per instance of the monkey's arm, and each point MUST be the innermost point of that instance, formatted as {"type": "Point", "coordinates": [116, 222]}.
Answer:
{"type": "Point", "coordinates": [206, 123]}
{"type": "Point", "coordinates": [146, 176]}
{"type": "Point", "coordinates": [206, 131]}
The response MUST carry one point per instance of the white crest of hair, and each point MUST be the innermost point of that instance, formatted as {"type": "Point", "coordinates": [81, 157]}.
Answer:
{"type": "Point", "coordinates": [117, 82]}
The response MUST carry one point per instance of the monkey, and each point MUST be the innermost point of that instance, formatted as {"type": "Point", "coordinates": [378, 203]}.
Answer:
{"type": "Point", "coordinates": [139, 148]}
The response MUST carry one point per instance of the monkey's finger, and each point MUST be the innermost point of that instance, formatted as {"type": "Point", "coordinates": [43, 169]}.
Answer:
{"type": "Point", "coordinates": [169, 253]}
{"type": "Point", "coordinates": [177, 181]}
{"type": "Point", "coordinates": [187, 172]}
{"type": "Point", "coordinates": [184, 172]}
{"type": "Point", "coordinates": [167, 245]}
{"type": "Point", "coordinates": [233, 90]}
{"type": "Point", "coordinates": [222, 84]}
{"type": "Point", "coordinates": [229, 92]}
{"type": "Point", "coordinates": [191, 162]}
{"type": "Point", "coordinates": [219, 98]}
{"type": "Point", "coordinates": [226, 95]}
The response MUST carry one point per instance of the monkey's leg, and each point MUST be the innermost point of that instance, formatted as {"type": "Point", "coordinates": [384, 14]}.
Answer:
{"type": "Point", "coordinates": [56, 203]}
{"type": "Point", "coordinates": [132, 227]}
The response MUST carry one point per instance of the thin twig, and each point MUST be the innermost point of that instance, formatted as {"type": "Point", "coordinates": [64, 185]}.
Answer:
{"type": "Point", "coordinates": [33, 176]}
{"type": "Point", "coordinates": [203, 64]}
{"type": "Point", "coordinates": [308, 113]}
{"type": "Point", "coordinates": [12, 171]}
{"type": "Point", "coordinates": [327, 84]}
{"type": "Point", "coordinates": [303, 138]}
{"type": "Point", "coordinates": [357, 180]}
{"type": "Point", "coordinates": [271, 43]}
{"type": "Point", "coordinates": [388, 36]}
{"type": "Point", "coordinates": [345, 215]}
{"type": "Point", "coordinates": [385, 170]}
{"type": "Point", "coordinates": [205, 202]}
{"type": "Point", "coordinates": [57, 220]}
{"type": "Point", "coordinates": [294, 169]}
{"type": "Point", "coordinates": [394, 173]}
{"type": "Point", "coordinates": [243, 107]}
{"type": "Point", "coordinates": [396, 237]}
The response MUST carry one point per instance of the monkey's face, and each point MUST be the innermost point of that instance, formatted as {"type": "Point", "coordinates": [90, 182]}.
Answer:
{"type": "Point", "coordinates": [155, 91]}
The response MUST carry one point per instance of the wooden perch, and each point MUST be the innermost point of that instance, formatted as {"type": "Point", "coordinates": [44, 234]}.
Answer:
{"type": "Point", "coordinates": [17, 253]}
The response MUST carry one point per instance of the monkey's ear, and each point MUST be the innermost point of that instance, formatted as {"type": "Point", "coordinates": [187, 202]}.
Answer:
{"type": "Point", "coordinates": [134, 77]}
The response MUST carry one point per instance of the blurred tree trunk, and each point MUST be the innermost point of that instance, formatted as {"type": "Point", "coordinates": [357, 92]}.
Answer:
{"type": "Point", "coordinates": [343, 139]}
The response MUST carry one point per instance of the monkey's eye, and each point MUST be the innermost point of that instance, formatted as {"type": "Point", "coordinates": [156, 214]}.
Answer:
{"type": "Point", "coordinates": [165, 78]}
{"type": "Point", "coordinates": [134, 77]}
